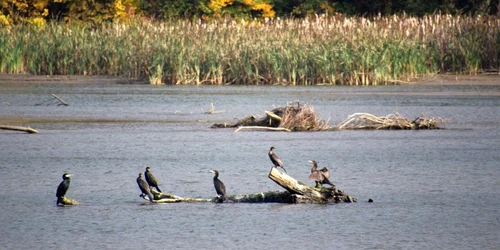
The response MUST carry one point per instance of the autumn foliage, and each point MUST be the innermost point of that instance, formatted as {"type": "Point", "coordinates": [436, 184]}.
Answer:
{"type": "Point", "coordinates": [38, 12]}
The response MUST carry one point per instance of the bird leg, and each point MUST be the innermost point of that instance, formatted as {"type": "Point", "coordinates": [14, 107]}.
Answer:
{"type": "Point", "coordinates": [281, 168]}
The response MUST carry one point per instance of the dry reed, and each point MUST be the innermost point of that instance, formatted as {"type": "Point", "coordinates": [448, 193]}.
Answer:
{"type": "Point", "coordinates": [391, 121]}
{"type": "Point", "coordinates": [301, 117]}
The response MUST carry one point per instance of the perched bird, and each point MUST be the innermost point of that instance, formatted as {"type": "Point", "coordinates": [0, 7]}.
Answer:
{"type": "Point", "coordinates": [144, 187]}
{"type": "Point", "coordinates": [275, 159]}
{"type": "Point", "coordinates": [220, 188]}
{"type": "Point", "coordinates": [63, 187]}
{"type": "Point", "coordinates": [320, 176]}
{"type": "Point", "coordinates": [150, 178]}
{"type": "Point", "coordinates": [315, 174]}
{"type": "Point", "coordinates": [325, 172]}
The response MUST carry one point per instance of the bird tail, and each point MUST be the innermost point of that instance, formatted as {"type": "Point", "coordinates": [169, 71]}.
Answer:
{"type": "Point", "coordinates": [283, 169]}
{"type": "Point", "coordinates": [157, 188]}
{"type": "Point", "coordinates": [150, 197]}
{"type": "Point", "coordinates": [329, 183]}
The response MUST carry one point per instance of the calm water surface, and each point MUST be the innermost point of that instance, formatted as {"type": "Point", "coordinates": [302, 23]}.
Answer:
{"type": "Point", "coordinates": [436, 189]}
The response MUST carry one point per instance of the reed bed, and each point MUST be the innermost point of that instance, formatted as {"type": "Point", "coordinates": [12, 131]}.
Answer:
{"type": "Point", "coordinates": [302, 117]}
{"type": "Point", "coordinates": [391, 121]}
{"type": "Point", "coordinates": [321, 50]}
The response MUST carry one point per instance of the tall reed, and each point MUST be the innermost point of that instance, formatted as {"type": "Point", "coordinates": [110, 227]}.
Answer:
{"type": "Point", "coordinates": [321, 50]}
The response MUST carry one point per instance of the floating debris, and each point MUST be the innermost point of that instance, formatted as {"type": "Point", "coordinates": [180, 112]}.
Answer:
{"type": "Point", "coordinates": [303, 117]}
{"type": "Point", "coordinates": [391, 121]}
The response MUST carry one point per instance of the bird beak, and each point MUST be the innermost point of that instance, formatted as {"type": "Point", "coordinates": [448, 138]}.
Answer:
{"type": "Point", "coordinates": [311, 162]}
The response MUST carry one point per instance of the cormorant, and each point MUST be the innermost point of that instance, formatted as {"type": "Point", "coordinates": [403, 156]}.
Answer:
{"type": "Point", "coordinates": [325, 172]}
{"type": "Point", "coordinates": [275, 159]}
{"type": "Point", "coordinates": [150, 178]}
{"type": "Point", "coordinates": [320, 176]}
{"type": "Point", "coordinates": [220, 188]}
{"type": "Point", "coordinates": [63, 187]}
{"type": "Point", "coordinates": [144, 187]}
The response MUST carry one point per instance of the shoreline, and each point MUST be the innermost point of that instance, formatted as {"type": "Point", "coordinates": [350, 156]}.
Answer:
{"type": "Point", "coordinates": [488, 79]}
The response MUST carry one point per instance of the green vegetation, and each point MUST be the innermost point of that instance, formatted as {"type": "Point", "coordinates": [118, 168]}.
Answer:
{"type": "Point", "coordinates": [322, 50]}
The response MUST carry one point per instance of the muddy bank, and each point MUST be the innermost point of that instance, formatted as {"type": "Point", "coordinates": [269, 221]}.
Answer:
{"type": "Point", "coordinates": [64, 79]}
{"type": "Point", "coordinates": [490, 79]}
{"type": "Point", "coordinates": [441, 79]}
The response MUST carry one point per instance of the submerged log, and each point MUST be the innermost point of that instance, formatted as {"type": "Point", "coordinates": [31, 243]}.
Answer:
{"type": "Point", "coordinates": [262, 197]}
{"type": "Point", "coordinates": [65, 201]}
{"type": "Point", "coordinates": [17, 128]}
{"type": "Point", "coordinates": [172, 198]}
{"type": "Point", "coordinates": [55, 100]}
{"type": "Point", "coordinates": [250, 120]}
{"type": "Point", "coordinates": [261, 128]}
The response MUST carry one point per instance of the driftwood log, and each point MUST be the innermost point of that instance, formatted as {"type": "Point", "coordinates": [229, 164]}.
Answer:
{"type": "Point", "coordinates": [17, 128]}
{"type": "Point", "coordinates": [56, 98]}
{"type": "Point", "coordinates": [302, 193]}
{"type": "Point", "coordinates": [295, 192]}
{"type": "Point", "coordinates": [62, 102]}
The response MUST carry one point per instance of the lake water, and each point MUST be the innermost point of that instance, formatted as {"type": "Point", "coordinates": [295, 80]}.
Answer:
{"type": "Point", "coordinates": [433, 189]}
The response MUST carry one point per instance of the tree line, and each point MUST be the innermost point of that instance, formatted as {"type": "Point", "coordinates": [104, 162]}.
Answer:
{"type": "Point", "coordinates": [39, 12]}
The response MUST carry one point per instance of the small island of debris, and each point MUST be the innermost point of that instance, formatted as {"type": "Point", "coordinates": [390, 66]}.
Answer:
{"type": "Point", "coordinates": [302, 117]}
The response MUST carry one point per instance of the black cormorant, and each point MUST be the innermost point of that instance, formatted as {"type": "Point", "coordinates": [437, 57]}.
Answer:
{"type": "Point", "coordinates": [63, 187]}
{"type": "Point", "coordinates": [275, 159]}
{"type": "Point", "coordinates": [144, 187]}
{"type": "Point", "coordinates": [220, 188]}
{"type": "Point", "coordinates": [150, 178]}
{"type": "Point", "coordinates": [320, 176]}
